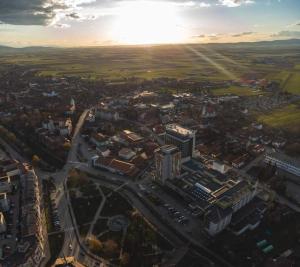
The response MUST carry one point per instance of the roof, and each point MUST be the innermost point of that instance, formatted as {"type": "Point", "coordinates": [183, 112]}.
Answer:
{"type": "Point", "coordinates": [175, 128]}
{"type": "Point", "coordinates": [168, 149]}
{"type": "Point", "coordinates": [131, 136]}
{"type": "Point", "coordinates": [118, 165]}
{"type": "Point", "coordinates": [284, 158]}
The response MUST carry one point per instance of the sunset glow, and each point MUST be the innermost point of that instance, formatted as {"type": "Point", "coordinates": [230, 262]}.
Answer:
{"type": "Point", "coordinates": [147, 22]}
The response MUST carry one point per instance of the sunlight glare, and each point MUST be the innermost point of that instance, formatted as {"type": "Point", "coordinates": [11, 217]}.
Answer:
{"type": "Point", "coordinates": [148, 22]}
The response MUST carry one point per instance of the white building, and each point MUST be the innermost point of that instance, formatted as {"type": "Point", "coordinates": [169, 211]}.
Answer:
{"type": "Point", "coordinates": [220, 167]}
{"type": "Point", "coordinates": [284, 162]}
{"type": "Point", "coordinates": [168, 162]}
{"type": "Point", "coordinates": [183, 138]}
{"type": "Point", "coordinates": [227, 200]}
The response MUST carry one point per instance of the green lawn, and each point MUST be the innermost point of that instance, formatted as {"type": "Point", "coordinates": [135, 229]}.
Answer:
{"type": "Point", "coordinates": [293, 83]}
{"type": "Point", "coordinates": [236, 90]}
{"type": "Point", "coordinates": [287, 118]}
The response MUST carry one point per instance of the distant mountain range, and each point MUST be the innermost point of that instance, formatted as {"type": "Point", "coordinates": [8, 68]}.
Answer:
{"type": "Point", "coordinates": [32, 49]}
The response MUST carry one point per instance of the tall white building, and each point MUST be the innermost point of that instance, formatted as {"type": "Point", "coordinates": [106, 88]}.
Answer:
{"type": "Point", "coordinates": [168, 162]}
{"type": "Point", "coordinates": [183, 138]}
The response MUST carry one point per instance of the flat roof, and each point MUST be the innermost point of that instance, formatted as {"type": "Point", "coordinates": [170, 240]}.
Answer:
{"type": "Point", "coordinates": [176, 128]}
{"type": "Point", "coordinates": [169, 149]}
{"type": "Point", "coordinates": [284, 158]}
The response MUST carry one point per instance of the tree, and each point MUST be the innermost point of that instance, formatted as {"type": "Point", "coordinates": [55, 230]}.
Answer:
{"type": "Point", "coordinates": [76, 178]}
{"type": "Point", "coordinates": [125, 258]}
{"type": "Point", "coordinates": [111, 247]}
{"type": "Point", "coordinates": [67, 146]}
{"type": "Point", "coordinates": [95, 244]}
{"type": "Point", "coordinates": [35, 160]}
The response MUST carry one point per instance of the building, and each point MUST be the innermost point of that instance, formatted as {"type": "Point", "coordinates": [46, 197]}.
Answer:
{"type": "Point", "coordinates": [283, 162]}
{"type": "Point", "coordinates": [131, 137]}
{"type": "Point", "coordinates": [168, 162]}
{"type": "Point", "coordinates": [115, 166]}
{"type": "Point", "coordinates": [108, 115]}
{"type": "Point", "coordinates": [126, 153]}
{"type": "Point", "coordinates": [220, 167]}
{"type": "Point", "coordinates": [183, 138]}
{"type": "Point", "coordinates": [225, 202]}
{"type": "Point", "coordinates": [2, 223]}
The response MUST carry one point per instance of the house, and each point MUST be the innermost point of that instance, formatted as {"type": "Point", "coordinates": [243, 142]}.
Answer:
{"type": "Point", "coordinates": [98, 139]}
{"type": "Point", "coordinates": [126, 153]}
{"type": "Point", "coordinates": [115, 166]}
{"type": "Point", "coordinates": [131, 137]}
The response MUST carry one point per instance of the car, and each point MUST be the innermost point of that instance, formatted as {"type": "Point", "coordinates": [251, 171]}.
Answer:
{"type": "Point", "coordinates": [8, 236]}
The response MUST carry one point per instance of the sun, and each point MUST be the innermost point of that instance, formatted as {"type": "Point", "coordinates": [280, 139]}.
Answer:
{"type": "Point", "coordinates": [148, 22]}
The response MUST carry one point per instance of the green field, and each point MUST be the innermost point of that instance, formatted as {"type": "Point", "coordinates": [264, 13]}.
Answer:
{"type": "Point", "coordinates": [193, 62]}
{"type": "Point", "coordinates": [236, 90]}
{"type": "Point", "coordinates": [292, 85]}
{"type": "Point", "coordinates": [287, 118]}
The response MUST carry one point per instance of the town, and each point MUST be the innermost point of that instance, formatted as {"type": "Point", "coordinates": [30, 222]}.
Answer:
{"type": "Point", "coordinates": [101, 174]}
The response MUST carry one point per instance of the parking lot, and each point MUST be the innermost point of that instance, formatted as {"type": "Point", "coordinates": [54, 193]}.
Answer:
{"type": "Point", "coordinates": [174, 211]}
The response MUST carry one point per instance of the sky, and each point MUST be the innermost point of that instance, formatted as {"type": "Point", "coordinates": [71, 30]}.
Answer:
{"type": "Point", "coordinates": [116, 22]}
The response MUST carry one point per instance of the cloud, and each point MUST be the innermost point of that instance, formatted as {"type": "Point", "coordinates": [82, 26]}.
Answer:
{"type": "Point", "coordinates": [210, 37]}
{"type": "Point", "coordinates": [295, 24]}
{"type": "Point", "coordinates": [287, 34]}
{"type": "Point", "coordinates": [38, 12]}
{"type": "Point", "coordinates": [235, 3]}
{"type": "Point", "coordinates": [61, 25]}
{"type": "Point", "coordinates": [242, 34]}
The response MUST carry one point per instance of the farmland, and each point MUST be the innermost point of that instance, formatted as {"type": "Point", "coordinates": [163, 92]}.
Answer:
{"type": "Point", "coordinates": [286, 118]}
{"type": "Point", "coordinates": [237, 90]}
{"type": "Point", "coordinates": [192, 62]}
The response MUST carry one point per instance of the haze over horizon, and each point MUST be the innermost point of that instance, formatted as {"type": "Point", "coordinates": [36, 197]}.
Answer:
{"type": "Point", "coordinates": [131, 22]}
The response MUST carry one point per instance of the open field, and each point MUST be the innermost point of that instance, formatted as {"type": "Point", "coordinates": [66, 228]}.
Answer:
{"type": "Point", "coordinates": [193, 62]}
{"type": "Point", "coordinates": [287, 118]}
{"type": "Point", "coordinates": [236, 90]}
{"type": "Point", "coordinates": [292, 85]}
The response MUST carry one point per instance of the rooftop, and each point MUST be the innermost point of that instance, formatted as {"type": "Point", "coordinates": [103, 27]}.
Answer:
{"type": "Point", "coordinates": [168, 149]}
{"type": "Point", "coordinates": [175, 128]}
{"type": "Point", "coordinates": [283, 157]}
